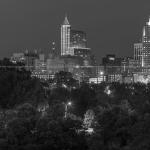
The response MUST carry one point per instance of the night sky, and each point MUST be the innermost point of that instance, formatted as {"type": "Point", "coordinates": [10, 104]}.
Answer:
{"type": "Point", "coordinates": [112, 26]}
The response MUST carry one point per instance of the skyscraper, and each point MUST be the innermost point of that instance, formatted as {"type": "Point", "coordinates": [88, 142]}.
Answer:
{"type": "Point", "coordinates": [138, 53]}
{"type": "Point", "coordinates": [78, 39]}
{"type": "Point", "coordinates": [72, 41]}
{"type": "Point", "coordinates": [146, 45]}
{"type": "Point", "coordinates": [65, 37]}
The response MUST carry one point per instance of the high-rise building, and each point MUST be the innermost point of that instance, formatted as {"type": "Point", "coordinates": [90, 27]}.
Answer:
{"type": "Point", "coordinates": [130, 66]}
{"type": "Point", "coordinates": [65, 38]}
{"type": "Point", "coordinates": [112, 68]}
{"type": "Point", "coordinates": [78, 39]}
{"type": "Point", "coordinates": [138, 53]}
{"type": "Point", "coordinates": [146, 44]}
{"type": "Point", "coordinates": [73, 42]}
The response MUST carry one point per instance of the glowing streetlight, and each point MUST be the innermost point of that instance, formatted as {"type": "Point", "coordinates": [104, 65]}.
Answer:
{"type": "Point", "coordinates": [66, 108]}
{"type": "Point", "coordinates": [69, 103]}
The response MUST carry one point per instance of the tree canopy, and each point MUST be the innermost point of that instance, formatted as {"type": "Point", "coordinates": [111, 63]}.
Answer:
{"type": "Point", "coordinates": [32, 114]}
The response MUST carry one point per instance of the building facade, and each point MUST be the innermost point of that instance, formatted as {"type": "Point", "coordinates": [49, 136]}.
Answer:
{"type": "Point", "coordinates": [72, 41]}
{"type": "Point", "coordinates": [112, 68]}
{"type": "Point", "coordinates": [138, 53]}
{"type": "Point", "coordinates": [65, 38]}
{"type": "Point", "coordinates": [78, 39]}
{"type": "Point", "coordinates": [18, 57]}
{"type": "Point", "coordinates": [146, 45]}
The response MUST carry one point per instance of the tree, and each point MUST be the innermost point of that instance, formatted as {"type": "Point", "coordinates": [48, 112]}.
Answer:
{"type": "Point", "coordinates": [66, 79]}
{"type": "Point", "coordinates": [60, 134]}
{"type": "Point", "coordinates": [88, 119]}
{"type": "Point", "coordinates": [19, 88]}
{"type": "Point", "coordinates": [83, 99]}
{"type": "Point", "coordinates": [113, 130]}
{"type": "Point", "coordinates": [59, 95]}
{"type": "Point", "coordinates": [19, 131]}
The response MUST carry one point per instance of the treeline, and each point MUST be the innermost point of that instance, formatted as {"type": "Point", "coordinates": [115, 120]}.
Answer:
{"type": "Point", "coordinates": [32, 114]}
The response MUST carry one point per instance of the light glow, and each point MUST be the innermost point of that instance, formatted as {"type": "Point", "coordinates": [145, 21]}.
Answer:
{"type": "Point", "coordinates": [69, 103]}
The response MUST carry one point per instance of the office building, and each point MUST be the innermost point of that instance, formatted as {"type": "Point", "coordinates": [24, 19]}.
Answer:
{"type": "Point", "coordinates": [112, 68]}
{"type": "Point", "coordinates": [40, 64]}
{"type": "Point", "coordinates": [146, 45]}
{"type": "Point", "coordinates": [55, 65]}
{"type": "Point", "coordinates": [65, 38]}
{"type": "Point", "coordinates": [138, 53]}
{"type": "Point", "coordinates": [112, 65]}
{"type": "Point", "coordinates": [73, 42]}
{"type": "Point", "coordinates": [130, 66]}
{"type": "Point", "coordinates": [30, 57]}
{"type": "Point", "coordinates": [18, 58]}
{"type": "Point", "coordinates": [78, 39]}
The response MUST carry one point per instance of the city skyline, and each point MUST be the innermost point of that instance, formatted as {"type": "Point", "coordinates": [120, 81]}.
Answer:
{"type": "Point", "coordinates": [24, 25]}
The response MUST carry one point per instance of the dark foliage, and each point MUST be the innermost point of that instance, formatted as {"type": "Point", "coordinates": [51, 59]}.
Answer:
{"type": "Point", "coordinates": [32, 114]}
{"type": "Point", "coordinates": [18, 87]}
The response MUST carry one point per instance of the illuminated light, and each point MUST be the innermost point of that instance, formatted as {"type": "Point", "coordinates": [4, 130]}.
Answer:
{"type": "Point", "coordinates": [69, 103]}
{"type": "Point", "coordinates": [77, 66]}
{"type": "Point", "coordinates": [101, 73]}
{"type": "Point", "coordinates": [64, 85]}
{"type": "Point", "coordinates": [111, 58]}
{"type": "Point", "coordinates": [90, 130]}
{"type": "Point", "coordinates": [107, 90]}
{"type": "Point", "coordinates": [142, 78]}
{"type": "Point", "coordinates": [97, 80]}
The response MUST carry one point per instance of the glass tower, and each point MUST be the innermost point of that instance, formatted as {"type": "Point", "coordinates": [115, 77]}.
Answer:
{"type": "Point", "coordinates": [138, 53]}
{"type": "Point", "coordinates": [78, 39]}
{"type": "Point", "coordinates": [65, 37]}
{"type": "Point", "coordinates": [146, 45]}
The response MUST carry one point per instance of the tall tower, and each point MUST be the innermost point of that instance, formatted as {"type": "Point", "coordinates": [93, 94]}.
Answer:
{"type": "Point", "coordinates": [65, 37]}
{"type": "Point", "coordinates": [138, 53]}
{"type": "Point", "coordinates": [146, 44]}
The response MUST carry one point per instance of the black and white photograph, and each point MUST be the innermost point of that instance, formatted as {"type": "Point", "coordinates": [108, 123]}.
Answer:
{"type": "Point", "coordinates": [74, 74]}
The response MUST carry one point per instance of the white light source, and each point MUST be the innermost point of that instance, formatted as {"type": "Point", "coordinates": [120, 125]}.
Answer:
{"type": "Point", "coordinates": [101, 73]}
{"type": "Point", "coordinates": [69, 103]}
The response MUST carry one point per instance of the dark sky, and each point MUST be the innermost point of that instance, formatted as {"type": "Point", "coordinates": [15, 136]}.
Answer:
{"type": "Point", "coordinates": [112, 26]}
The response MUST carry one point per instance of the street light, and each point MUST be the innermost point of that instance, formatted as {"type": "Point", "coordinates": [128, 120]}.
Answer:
{"type": "Point", "coordinates": [66, 108]}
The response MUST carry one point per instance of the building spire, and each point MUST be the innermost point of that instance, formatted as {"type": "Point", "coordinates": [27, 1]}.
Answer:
{"type": "Point", "coordinates": [66, 22]}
